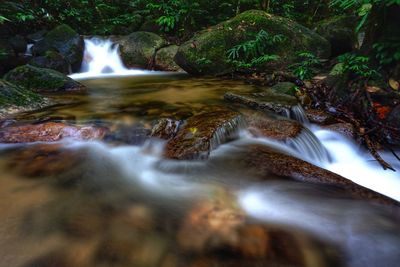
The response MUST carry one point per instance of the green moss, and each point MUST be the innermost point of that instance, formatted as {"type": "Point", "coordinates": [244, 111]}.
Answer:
{"type": "Point", "coordinates": [40, 79]}
{"type": "Point", "coordinates": [13, 95]}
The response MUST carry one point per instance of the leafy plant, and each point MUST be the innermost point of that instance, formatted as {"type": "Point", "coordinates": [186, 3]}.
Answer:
{"type": "Point", "coordinates": [254, 52]}
{"type": "Point", "coordinates": [387, 52]}
{"type": "Point", "coordinates": [357, 66]}
{"type": "Point", "coordinates": [305, 69]}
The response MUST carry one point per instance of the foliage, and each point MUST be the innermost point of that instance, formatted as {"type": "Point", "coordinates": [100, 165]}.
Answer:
{"type": "Point", "coordinates": [357, 65]}
{"type": "Point", "coordinates": [254, 52]}
{"type": "Point", "coordinates": [388, 51]}
{"type": "Point", "coordinates": [305, 69]}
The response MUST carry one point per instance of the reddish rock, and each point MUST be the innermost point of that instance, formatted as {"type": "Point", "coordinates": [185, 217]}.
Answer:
{"type": "Point", "coordinates": [346, 129]}
{"type": "Point", "coordinates": [49, 132]}
{"type": "Point", "coordinates": [268, 161]}
{"type": "Point", "coordinates": [44, 160]}
{"type": "Point", "coordinates": [319, 117]}
{"type": "Point", "coordinates": [165, 129]}
{"type": "Point", "coordinates": [275, 128]}
{"type": "Point", "coordinates": [202, 133]}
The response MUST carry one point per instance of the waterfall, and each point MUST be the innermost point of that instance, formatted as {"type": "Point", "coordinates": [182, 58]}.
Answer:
{"type": "Point", "coordinates": [28, 51]}
{"type": "Point", "coordinates": [101, 59]}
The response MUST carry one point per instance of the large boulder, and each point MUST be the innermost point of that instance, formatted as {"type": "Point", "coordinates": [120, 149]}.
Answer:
{"type": "Point", "coordinates": [206, 52]}
{"type": "Point", "coordinates": [42, 80]}
{"type": "Point", "coordinates": [165, 59]}
{"type": "Point", "coordinates": [138, 49]}
{"type": "Point", "coordinates": [51, 60]}
{"type": "Point", "coordinates": [15, 99]}
{"type": "Point", "coordinates": [65, 41]}
{"type": "Point", "coordinates": [18, 43]}
{"type": "Point", "coordinates": [340, 32]}
{"type": "Point", "coordinates": [7, 56]}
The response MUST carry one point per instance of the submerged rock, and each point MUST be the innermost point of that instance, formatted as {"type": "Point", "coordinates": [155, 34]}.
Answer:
{"type": "Point", "coordinates": [165, 59]}
{"type": "Point", "coordinates": [286, 88]}
{"type": "Point", "coordinates": [64, 40]}
{"type": "Point", "coordinates": [203, 133]}
{"type": "Point", "coordinates": [14, 99]}
{"type": "Point", "coordinates": [42, 80]}
{"type": "Point", "coordinates": [206, 52]}
{"type": "Point", "coordinates": [49, 132]}
{"type": "Point", "coordinates": [138, 50]}
{"type": "Point", "coordinates": [276, 103]}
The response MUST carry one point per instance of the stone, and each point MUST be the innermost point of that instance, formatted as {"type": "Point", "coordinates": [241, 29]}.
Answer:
{"type": "Point", "coordinates": [48, 132]}
{"type": "Point", "coordinates": [346, 129]}
{"type": "Point", "coordinates": [264, 101]}
{"type": "Point", "coordinates": [64, 40]}
{"type": "Point", "coordinates": [138, 49]}
{"type": "Point", "coordinates": [165, 59]}
{"type": "Point", "coordinates": [14, 99]}
{"type": "Point", "coordinates": [42, 80]}
{"type": "Point", "coordinates": [51, 60]}
{"type": "Point", "coordinates": [18, 43]}
{"type": "Point", "coordinates": [340, 32]}
{"type": "Point", "coordinates": [165, 129]}
{"type": "Point", "coordinates": [206, 52]}
{"type": "Point", "coordinates": [319, 117]}
{"type": "Point", "coordinates": [286, 88]}
{"type": "Point", "coordinates": [202, 133]}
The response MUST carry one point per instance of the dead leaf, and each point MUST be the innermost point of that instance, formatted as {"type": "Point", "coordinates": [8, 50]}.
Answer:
{"type": "Point", "coordinates": [394, 84]}
{"type": "Point", "coordinates": [373, 89]}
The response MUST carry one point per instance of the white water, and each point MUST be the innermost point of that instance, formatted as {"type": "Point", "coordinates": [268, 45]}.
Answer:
{"type": "Point", "coordinates": [101, 59]}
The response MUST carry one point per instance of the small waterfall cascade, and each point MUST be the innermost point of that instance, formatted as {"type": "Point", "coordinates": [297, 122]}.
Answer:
{"type": "Point", "coordinates": [101, 59]}
{"type": "Point", "coordinates": [229, 130]}
{"type": "Point", "coordinates": [28, 51]}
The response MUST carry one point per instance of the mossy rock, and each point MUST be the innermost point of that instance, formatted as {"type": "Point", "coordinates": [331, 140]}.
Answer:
{"type": "Point", "coordinates": [286, 88]}
{"type": "Point", "coordinates": [64, 40]}
{"type": "Point", "coordinates": [206, 52]}
{"type": "Point", "coordinates": [42, 80]}
{"type": "Point", "coordinates": [14, 98]}
{"type": "Point", "coordinates": [138, 49]}
{"type": "Point", "coordinates": [165, 59]}
{"type": "Point", "coordinates": [340, 32]}
{"type": "Point", "coordinates": [51, 60]}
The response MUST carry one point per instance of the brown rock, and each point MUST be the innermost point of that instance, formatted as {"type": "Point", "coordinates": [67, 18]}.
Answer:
{"type": "Point", "coordinates": [275, 128]}
{"type": "Point", "coordinates": [49, 132]}
{"type": "Point", "coordinates": [44, 160]}
{"type": "Point", "coordinates": [268, 161]}
{"type": "Point", "coordinates": [203, 133]}
{"type": "Point", "coordinates": [346, 129]}
{"type": "Point", "coordinates": [165, 129]}
{"type": "Point", "coordinates": [319, 117]}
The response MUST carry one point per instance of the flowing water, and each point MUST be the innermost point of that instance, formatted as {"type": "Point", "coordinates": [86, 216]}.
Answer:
{"type": "Point", "coordinates": [119, 202]}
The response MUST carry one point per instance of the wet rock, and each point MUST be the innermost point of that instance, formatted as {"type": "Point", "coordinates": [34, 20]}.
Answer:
{"type": "Point", "coordinates": [14, 99]}
{"type": "Point", "coordinates": [64, 40]}
{"type": "Point", "coordinates": [135, 134]}
{"type": "Point", "coordinates": [268, 161]}
{"type": "Point", "coordinates": [346, 129]}
{"type": "Point", "coordinates": [319, 117]}
{"type": "Point", "coordinates": [275, 128]}
{"type": "Point", "coordinates": [206, 53]}
{"type": "Point", "coordinates": [138, 49]}
{"type": "Point", "coordinates": [7, 57]}
{"type": "Point", "coordinates": [165, 59]}
{"type": "Point", "coordinates": [49, 132]}
{"type": "Point", "coordinates": [36, 36]}
{"type": "Point", "coordinates": [42, 80]}
{"type": "Point", "coordinates": [203, 133]}
{"type": "Point", "coordinates": [51, 60]}
{"type": "Point", "coordinates": [340, 32]}
{"type": "Point", "coordinates": [286, 88]}
{"type": "Point", "coordinates": [165, 129]}
{"type": "Point", "coordinates": [210, 225]}
{"type": "Point", "coordinates": [44, 160]}
{"type": "Point", "coordinates": [279, 104]}
{"type": "Point", "coordinates": [18, 43]}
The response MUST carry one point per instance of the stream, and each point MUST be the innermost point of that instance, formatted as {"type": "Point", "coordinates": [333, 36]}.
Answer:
{"type": "Point", "coordinates": [119, 202]}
